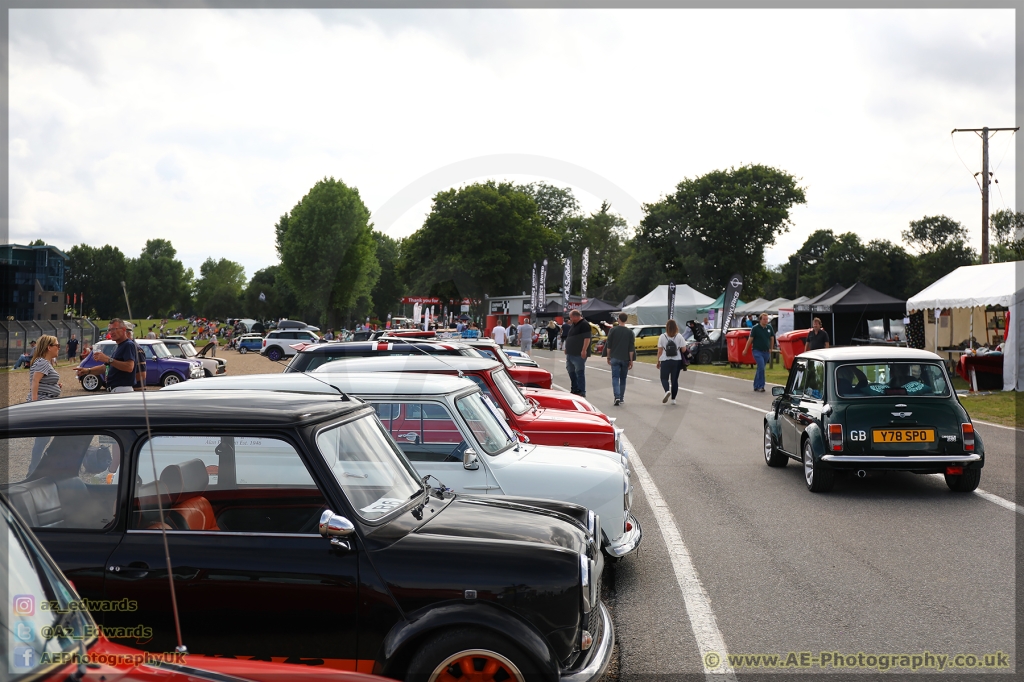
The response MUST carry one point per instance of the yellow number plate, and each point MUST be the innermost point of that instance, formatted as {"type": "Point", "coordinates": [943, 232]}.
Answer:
{"type": "Point", "coordinates": [903, 436]}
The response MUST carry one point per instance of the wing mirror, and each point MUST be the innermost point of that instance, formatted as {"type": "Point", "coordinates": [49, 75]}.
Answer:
{"type": "Point", "coordinates": [522, 437]}
{"type": "Point", "coordinates": [470, 460]}
{"type": "Point", "coordinates": [335, 527]}
{"type": "Point", "coordinates": [778, 390]}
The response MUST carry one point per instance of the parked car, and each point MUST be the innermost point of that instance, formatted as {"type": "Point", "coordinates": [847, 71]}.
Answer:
{"type": "Point", "coordinates": [525, 375]}
{"type": "Point", "coordinates": [249, 343]}
{"type": "Point", "coordinates": [520, 358]}
{"type": "Point", "coordinates": [862, 409]}
{"type": "Point", "coordinates": [162, 368]}
{"type": "Point", "coordinates": [706, 347]}
{"type": "Point", "coordinates": [646, 337]}
{"type": "Point", "coordinates": [540, 424]}
{"type": "Point", "coordinates": [48, 635]}
{"type": "Point", "coordinates": [309, 356]}
{"type": "Point", "coordinates": [212, 366]}
{"type": "Point", "coordinates": [177, 337]}
{"type": "Point", "coordinates": [448, 429]}
{"type": "Point", "coordinates": [278, 343]}
{"type": "Point", "coordinates": [298, 529]}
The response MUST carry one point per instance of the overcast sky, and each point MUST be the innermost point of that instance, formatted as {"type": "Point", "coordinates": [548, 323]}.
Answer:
{"type": "Point", "coordinates": [205, 126]}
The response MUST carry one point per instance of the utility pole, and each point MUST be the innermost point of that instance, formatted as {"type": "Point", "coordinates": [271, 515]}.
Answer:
{"type": "Point", "coordinates": [985, 181]}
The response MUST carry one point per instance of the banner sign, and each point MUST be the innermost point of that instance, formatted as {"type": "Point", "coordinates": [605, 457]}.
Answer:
{"type": "Point", "coordinates": [583, 273]}
{"type": "Point", "coordinates": [786, 320]}
{"type": "Point", "coordinates": [566, 284]}
{"type": "Point", "coordinates": [533, 291]}
{"type": "Point", "coordinates": [542, 285]}
{"type": "Point", "coordinates": [499, 307]}
{"type": "Point", "coordinates": [671, 300]}
{"type": "Point", "coordinates": [732, 297]}
{"type": "Point", "coordinates": [434, 300]}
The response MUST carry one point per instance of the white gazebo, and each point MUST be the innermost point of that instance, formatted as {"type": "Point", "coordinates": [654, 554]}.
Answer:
{"type": "Point", "coordinates": [653, 308]}
{"type": "Point", "coordinates": [973, 287]}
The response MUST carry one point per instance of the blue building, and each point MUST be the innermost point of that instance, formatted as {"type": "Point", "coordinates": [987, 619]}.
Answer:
{"type": "Point", "coordinates": [32, 281]}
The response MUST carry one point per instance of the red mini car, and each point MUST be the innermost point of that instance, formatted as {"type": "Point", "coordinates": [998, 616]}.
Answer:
{"type": "Point", "coordinates": [534, 377]}
{"type": "Point", "coordinates": [540, 424]}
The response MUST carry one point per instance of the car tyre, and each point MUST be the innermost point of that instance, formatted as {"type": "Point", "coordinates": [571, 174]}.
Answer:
{"type": "Point", "coordinates": [704, 356]}
{"type": "Point", "coordinates": [472, 654]}
{"type": "Point", "coordinates": [170, 379]}
{"type": "Point", "coordinates": [243, 350]}
{"type": "Point", "coordinates": [773, 457]}
{"type": "Point", "coordinates": [207, 373]}
{"type": "Point", "coordinates": [274, 354]}
{"type": "Point", "coordinates": [91, 382]}
{"type": "Point", "coordinates": [819, 477]}
{"type": "Point", "coordinates": [965, 482]}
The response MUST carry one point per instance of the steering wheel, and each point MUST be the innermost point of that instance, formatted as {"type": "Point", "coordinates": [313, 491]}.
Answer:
{"type": "Point", "coordinates": [456, 454]}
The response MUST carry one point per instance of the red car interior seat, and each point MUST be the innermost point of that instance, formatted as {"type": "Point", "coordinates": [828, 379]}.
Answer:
{"type": "Point", "coordinates": [185, 484]}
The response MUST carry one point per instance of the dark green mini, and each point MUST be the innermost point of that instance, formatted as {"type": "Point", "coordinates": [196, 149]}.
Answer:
{"type": "Point", "coordinates": [863, 409]}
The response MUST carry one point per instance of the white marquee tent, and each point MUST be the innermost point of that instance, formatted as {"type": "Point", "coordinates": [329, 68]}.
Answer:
{"type": "Point", "coordinates": [978, 286]}
{"type": "Point", "coordinates": [653, 308]}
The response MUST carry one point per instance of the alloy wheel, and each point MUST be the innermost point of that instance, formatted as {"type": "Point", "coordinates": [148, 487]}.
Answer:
{"type": "Point", "coordinates": [476, 665]}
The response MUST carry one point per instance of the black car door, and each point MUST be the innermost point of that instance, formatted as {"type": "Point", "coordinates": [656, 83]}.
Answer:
{"type": "Point", "coordinates": [66, 489]}
{"type": "Point", "coordinates": [252, 576]}
{"type": "Point", "coordinates": [812, 400]}
{"type": "Point", "coordinates": [789, 407]}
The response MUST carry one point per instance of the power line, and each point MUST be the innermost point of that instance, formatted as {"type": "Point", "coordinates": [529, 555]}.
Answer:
{"type": "Point", "coordinates": [985, 180]}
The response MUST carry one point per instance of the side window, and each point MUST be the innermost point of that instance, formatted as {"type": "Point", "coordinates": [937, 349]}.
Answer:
{"type": "Point", "coordinates": [425, 432]}
{"type": "Point", "coordinates": [63, 481]}
{"type": "Point", "coordinates": [814, 387]}
{"type": "Point", "coordinates": [796, 379]}
{"type": "Point", "coordinates": [225, 484]}
{"type": "Point", "coordinates": [148, 350]}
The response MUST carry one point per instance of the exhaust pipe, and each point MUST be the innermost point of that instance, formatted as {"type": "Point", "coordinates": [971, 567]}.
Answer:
{"type": "Point", "coordinates": [861, 473]}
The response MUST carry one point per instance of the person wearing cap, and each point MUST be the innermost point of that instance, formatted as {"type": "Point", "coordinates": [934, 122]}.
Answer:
{"type": "Point", "coordinates": [119, 367]}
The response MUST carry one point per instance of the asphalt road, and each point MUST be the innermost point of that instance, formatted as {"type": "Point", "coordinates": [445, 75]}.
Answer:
{"type": "Point", "coordinates": [741, 558]}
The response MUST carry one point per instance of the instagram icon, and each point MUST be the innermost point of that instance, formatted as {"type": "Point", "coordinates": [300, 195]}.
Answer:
{"type": "Point", "coordinates": [24, 604]}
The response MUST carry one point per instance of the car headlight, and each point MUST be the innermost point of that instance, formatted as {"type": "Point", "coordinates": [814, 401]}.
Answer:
{"type": "Point", "coordinates": [618, 440]}
{"type": "Point", "coordinates": [585, 582]}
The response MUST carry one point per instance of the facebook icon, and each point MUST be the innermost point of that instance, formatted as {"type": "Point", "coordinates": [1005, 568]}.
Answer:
{"type": "Point", "coordinates": [24, 657]}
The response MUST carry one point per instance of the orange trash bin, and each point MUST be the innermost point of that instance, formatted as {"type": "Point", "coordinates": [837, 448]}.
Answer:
{"type": "Point", "coordinates": [792, 344]}
{"type": "Point", "coordinates": [735, 340]}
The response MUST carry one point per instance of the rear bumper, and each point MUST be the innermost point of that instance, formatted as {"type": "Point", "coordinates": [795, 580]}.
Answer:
{"type": "Point", "coordinates": [600, 654]}
{"type": "Point", "coordinates": [896, 461]}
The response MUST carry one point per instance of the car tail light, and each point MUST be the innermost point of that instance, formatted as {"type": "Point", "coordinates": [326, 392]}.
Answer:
{"type": "Point", "coordinates": [968, 433]}
{"type": "Point", "coordinates": [264, 343]}
{"type": "Point", "coordinates": [835, 436]}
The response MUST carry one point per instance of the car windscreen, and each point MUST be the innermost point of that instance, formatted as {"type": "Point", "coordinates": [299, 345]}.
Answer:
{"type": "Point", "coordinates": [510, 392]}
{"type": "Point", "coordinates": [373, 473]}
{"type": "Point", "coordinates": [490, 431]}
{"type": "Point", "coordinates": [880, 379]}
{"type": "Point", "coordinates": [160, 350]}
{"type": "Point", "coordinates": [188, 349]}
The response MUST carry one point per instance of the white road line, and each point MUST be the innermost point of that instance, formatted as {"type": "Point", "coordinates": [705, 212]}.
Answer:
{"type": "Point", "coordinates": [998, 426]}
{"type": "Point", "coordinates": [994, 499]}
{"type": "Point", "coordinates": [628, 376]}
{"type": "Point", "coordinates": [690, 390]}
{"type": "Point", "coordinates": [726, 376]}
{"type": "Point", "coordinates": [559, 388]}
{"type": "Point", "coordinates": [762, 410]}
{"type": "Point", "coordinates": [698, 607]}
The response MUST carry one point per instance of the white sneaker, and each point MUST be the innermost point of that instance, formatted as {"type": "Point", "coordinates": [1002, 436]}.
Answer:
{"type": "Point", "coordinates": [667, 394]}
{"type": "Point", "coordinates": [673, 401]}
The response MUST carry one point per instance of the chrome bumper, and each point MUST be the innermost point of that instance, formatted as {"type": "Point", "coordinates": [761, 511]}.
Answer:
{"type": "Point", "coordinates": [628, 542]}
{"type": "Point", "coordinates": [600, 654]}
{"type": "Point", "coordinates": [916, 459]}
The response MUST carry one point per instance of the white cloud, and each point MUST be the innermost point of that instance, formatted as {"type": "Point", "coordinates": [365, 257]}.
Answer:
{"type": "Point", "coordinates": [204, 126]}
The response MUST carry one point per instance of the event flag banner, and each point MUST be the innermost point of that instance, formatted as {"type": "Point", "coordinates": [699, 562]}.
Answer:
{"type": "Point", "coordinates": [732, 296]}
{"type": "Point", "coordinates": [542, 285]}
{"type": "Point", "coordinates": [566, 285]}
{"type": "Point", "coordinates": [534, 293]}
{"type": "Point", "coordinates": [583, 273]}
{"type": "Point", "coordinates": [671, 300]}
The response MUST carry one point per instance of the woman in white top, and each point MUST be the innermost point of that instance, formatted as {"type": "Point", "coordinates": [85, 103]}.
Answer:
{"type": "Point", "coordinates": [671, 347]}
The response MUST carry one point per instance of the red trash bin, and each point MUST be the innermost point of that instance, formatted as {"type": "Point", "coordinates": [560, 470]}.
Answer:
{"type": "Point", "coordinates": [792, 344]}
{"type": "Point", "coordinates": [735, 340]}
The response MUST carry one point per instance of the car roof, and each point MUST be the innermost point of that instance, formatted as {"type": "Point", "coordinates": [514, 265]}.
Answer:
{"type": "Point", "coordinates": [356, 383]}
{"type": "Point", "coordinates": [336, 346]}
{"type": "Point", "coordinates": [412, 363]}
{"type": "Point", "coordinates": [199, 409]}
{"type": "Point", "coordinates": [872, 353]}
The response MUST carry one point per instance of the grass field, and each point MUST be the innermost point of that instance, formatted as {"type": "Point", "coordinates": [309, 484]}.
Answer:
{"type": "Point", "coordinates": [142, 327]}
{"type": "Point", "coordinates": [1002, 407]}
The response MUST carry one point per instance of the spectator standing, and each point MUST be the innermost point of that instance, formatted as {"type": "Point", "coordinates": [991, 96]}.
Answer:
{"type": "Point", "coordinates": [25, 359]}
{"type": "Point", "coordinates": [577, 348]}
{"type": "Point", "coordinates": [552, 330]}
{"type": "Point", "coordinates": [43, 378]}
{"type": "Point", "coordinates": [472, 332]}
{"type": "Point", "coordinates": [817, 338]}
{"type": "Point", "coordinates": [670, 360]}
{"type": "Point", "coordinates": [499, 334]}
{"type": "Point", "coordinates": [513, 334]}
{"type": "Point", "coordinates": [120, 367]}
{"type": "Point", "coordinates": [72, 347]}
{"type": "Point", "coordinates": [620, 349]}
{"type": "Point", "coordinates": [762, 336]}
{"type": "Point", "coordinates": [526, 337]}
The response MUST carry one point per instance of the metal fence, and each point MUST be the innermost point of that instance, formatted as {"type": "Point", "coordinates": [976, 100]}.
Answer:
{"type": "Point", "coordinates": [17, 335]}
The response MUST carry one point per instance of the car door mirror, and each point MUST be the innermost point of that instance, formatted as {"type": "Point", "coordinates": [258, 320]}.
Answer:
{"type": "Point", "coordinates": [778, 390]}
{"type": "Point", "coordinates": [470, 460]}
{"type": "Point", "coordinates": [336, 527]}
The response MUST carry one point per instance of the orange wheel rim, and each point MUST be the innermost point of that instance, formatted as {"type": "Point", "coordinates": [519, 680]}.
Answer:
{"type": "Point", "coordinates": [477, 665]}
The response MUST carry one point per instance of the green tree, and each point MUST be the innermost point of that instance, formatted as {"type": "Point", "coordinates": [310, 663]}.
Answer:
{"type": "Point", "coordinates": [720, 223]}
{"type": "Point", "coordinates": [278, 299]}
{"type": "Point", "coordinates": [941, 245]}
{"type": "Point", "coordinates": [480, 239]}
{"type": "Point", "coordinates": [931, 233]}
{"type": "Point", "coordinates": [843, 261]}
{"type": "Point", "coordinates": [37, 242]}
{"type": "Point", "coordinates": [157, 281]}
{"type": "Point", "coordinates": [96, 273]}
{"type": "Point", "coordinates": [1008, 230]}
{"type": "Point", "coordinates": [219, 288]}
{"type": "Point", "coordinates": [888, 268]}
{"type": "Point", "coordinates": [327, 250]}
{"type": "Point", "coordinates": [387, 292]}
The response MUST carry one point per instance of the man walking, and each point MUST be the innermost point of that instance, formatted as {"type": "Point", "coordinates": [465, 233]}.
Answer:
{"type": "Point", "coordinates": [577, 347]}
{"type": "Point", "coordinates": [72, 347]}
{"type": "Point", "coordinates": [620, 349]}
{"type": "Point", "coordinates": [817, 338]}
{"type": "Point", "coordinates": [499, 334]}
{"type": "Point", "coordinates": [762, 336]}
{"type": "Point", "coordinates": [526, 337]}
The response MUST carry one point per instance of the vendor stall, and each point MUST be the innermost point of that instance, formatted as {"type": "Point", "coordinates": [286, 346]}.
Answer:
{"type": "Point", "coordinates": [970, 299]}
{"type": "Point", "coordinates": [653, 308]}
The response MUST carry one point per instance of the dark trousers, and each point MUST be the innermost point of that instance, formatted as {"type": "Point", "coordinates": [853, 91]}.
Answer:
{"type": "Point", "coordinates": [670, 371]}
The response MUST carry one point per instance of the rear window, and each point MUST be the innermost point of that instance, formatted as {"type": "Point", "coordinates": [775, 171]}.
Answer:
{"type": "Point", "coordinates": [869, 380]}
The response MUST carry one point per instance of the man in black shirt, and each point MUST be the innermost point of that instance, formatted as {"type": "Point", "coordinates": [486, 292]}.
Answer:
{"type": "Point", "coordinates": [620, 348]}
{"type": "Point", "coordinates": [120, 367]}
{"type": "Point", "coordinates": [817, 338]}
{"type": "Point", "coordinates": [72, 347]}
{"type": "Point", "coordinates": [577, 348]}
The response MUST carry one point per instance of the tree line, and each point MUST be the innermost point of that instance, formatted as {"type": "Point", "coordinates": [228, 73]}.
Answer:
{"type": "Point", "coordinates": [483, 238]}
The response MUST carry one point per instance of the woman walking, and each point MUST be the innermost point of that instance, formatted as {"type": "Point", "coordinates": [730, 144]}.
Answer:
{"type": "Point", "coordinates": [44, 384]}
{"type": "Point", "coordinates": [670, 359]}
{"type": "Point", "coordinates": [552, 330]}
